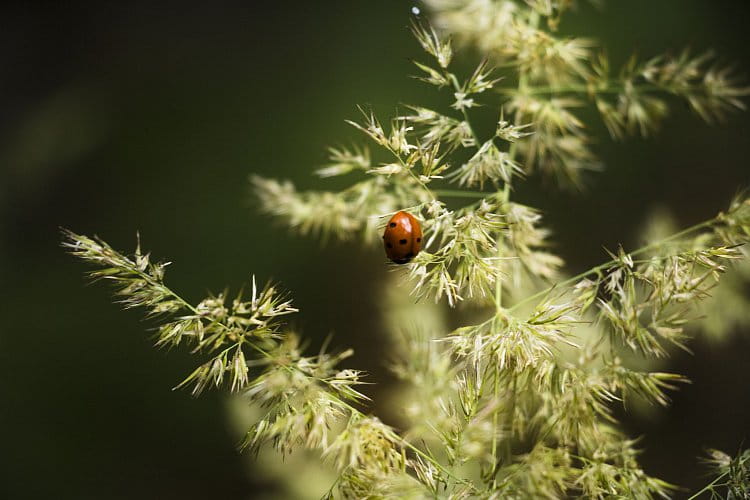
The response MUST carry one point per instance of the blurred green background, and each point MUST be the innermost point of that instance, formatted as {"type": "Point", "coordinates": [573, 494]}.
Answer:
{"type": "Point", "coordinates": [148, 116]}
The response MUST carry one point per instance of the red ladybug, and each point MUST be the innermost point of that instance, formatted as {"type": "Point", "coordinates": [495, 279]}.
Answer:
{"type": "Point", "coordinates": [402, 238]}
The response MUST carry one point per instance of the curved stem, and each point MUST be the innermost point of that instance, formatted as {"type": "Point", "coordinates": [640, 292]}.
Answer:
{"type": "Point", "coordinates": [708, 487]}
{"type": "Point", "coordinates": [609, 263]}
{"type": "Point", "coordinates": [610, 87]}
{"type": "Point", "coordinates": [457, 193]}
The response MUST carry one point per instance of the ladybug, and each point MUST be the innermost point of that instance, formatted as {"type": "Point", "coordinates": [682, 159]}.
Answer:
{"type": "Point", "coordinates": [402, 238]}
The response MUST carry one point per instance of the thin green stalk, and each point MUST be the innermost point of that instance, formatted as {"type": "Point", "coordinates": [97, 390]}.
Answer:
{"type": "Point", "coordinates": [609, 88]}
{"type": "Point", "coordinates": [512, 416]}
{"type": "Point", "coordinates": [458, 193]}
{"type": "Point", "coordinates": [496, 392]}
{"type": "Point", "coordinates": [505, 197]}
{"type": "Point", "coordinates": [512, 151]}
{"type": "Point", "coordinates": [498, 281]}
{"type": "Point", "coordinates": [609, 263]}
{"type": "Point", "coordinates": [708, 487]}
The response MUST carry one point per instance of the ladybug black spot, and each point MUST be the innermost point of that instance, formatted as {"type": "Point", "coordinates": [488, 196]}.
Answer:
{"type": "Point", "coordinates": [419, 239]}
{"type": "Point", "coordinates": [389, 245]}
{"type": "Point", "coordinates": [403, 242]}
{"type": "Point", "coordinates": [392, 224]}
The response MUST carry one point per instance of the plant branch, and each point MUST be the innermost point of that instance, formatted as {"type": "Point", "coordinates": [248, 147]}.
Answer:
{"type": "Point", "coordinates": [611, 262]}
{"type": "Point", "coordinates": [610, 87]}
{"type": "Point", "coordinates": [457, 193]}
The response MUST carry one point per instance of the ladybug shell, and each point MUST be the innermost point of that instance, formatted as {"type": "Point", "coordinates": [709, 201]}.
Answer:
{"type": "Point", "coordinates": [402, 238]}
